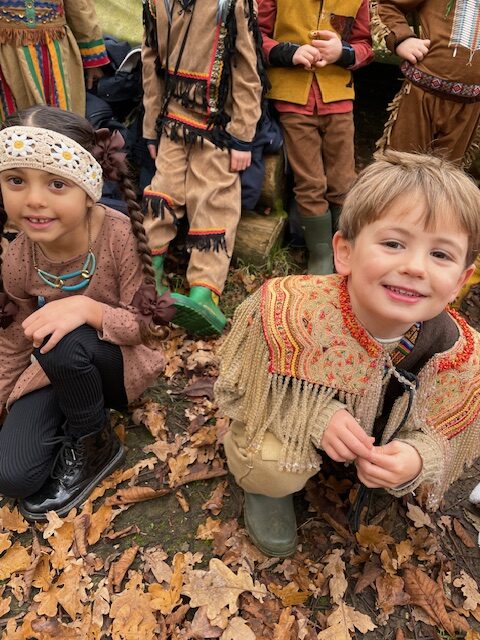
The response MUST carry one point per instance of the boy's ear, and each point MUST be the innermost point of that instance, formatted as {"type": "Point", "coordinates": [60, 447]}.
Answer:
{"type": "Point", "coordinates": [342, 250]}
{"type": "Point", "coordinates": [464, 278]}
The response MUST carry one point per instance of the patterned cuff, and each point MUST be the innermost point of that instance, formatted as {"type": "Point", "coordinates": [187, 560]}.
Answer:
{"type": "Point", "coordinates": [93, 53]}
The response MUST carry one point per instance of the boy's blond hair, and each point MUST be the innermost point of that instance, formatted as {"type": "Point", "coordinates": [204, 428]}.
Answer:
{"type": "Point", "coordinates": [444, 186]}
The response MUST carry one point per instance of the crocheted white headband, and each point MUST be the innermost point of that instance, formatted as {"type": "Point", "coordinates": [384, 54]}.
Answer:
{"type": "Point", "coordinates": [35, 148]}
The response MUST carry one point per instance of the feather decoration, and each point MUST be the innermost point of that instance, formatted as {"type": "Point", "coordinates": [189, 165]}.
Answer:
{"type": "Point", "coordinates": [222, 10]}
{"type": "Point", "coordinates": [168, 10]}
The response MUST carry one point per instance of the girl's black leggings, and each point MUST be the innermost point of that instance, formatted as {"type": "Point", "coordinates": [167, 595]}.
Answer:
{"type": "Point", "coordinates": [86, 376]}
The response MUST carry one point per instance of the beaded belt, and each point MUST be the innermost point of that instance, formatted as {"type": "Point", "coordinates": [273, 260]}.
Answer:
{"type": "Point", "coordinates": [451, 90]}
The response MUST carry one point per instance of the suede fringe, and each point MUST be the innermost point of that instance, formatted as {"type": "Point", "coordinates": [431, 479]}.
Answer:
{"type": "Point", "coordinates": [156, 205]}
{"type": "Point", "coordinates": [207, 242]}
{"type": "Point", "coordinates": [22, 37]}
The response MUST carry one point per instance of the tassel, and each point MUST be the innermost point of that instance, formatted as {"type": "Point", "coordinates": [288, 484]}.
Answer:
{"type": "Point", "coordinates": [23, 37]}
{"type": "Point", "coordinates": [156, 206]}
{"type": "Point", "coordinates": [207, 242]}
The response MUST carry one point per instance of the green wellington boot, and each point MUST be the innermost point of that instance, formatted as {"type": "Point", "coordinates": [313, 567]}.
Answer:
{"type": "Point", "coordinates": [158, 262]}
{"type": "Point", "coordinates": [198, 312]}
{"type": "Point", "coordinates": [271, 524]}
{"type": "Point", "coordinates": [335, 210]}
{"type": "Point", "coordinates": [318, 238]}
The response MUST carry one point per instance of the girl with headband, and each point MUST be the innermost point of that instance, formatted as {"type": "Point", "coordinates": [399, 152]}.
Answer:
{"type": "Point", "coordinates": [76, 300]}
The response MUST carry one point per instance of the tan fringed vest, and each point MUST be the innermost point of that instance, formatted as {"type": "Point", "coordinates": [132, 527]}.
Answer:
{"type": "Point", "coordinates": [295, 19]}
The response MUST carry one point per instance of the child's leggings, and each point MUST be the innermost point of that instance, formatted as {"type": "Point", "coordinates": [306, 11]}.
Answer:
{"type": "Point", "coordinates": [86, 376]}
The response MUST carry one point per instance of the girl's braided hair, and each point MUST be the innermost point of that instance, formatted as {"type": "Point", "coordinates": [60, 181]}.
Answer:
{"type": "Point", "coordinates": [106, 148]}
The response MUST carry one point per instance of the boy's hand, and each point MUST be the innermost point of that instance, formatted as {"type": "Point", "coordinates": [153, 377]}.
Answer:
{"type": "Point", "coordinates": [152, 150]}
{"type": "Point", "coordinates": [240, 160]}
{"type": "Point", "coordinates": [59, 317]}
{"type": "Point", "coordinates": [344, 439]}
{"type": "Point", "coordinates": [389, 465]}
{"type": "Point", "coordinates": [413, 49]}
{"type": "Point", "coordinates": [306, 56]}
{"type": "Point", "coordinates": [329, 47]}
{"type": "Point", "coordinates": [92, 75]}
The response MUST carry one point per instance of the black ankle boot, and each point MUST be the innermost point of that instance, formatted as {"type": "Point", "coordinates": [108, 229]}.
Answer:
{"type": "Point", "coordinates": [79, 466]}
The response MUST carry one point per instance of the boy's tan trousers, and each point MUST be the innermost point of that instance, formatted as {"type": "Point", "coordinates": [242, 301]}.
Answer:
{"type": "Point", "coordinates": [259, 472]}
{"type": "Point", "coordinates": [196, 179]}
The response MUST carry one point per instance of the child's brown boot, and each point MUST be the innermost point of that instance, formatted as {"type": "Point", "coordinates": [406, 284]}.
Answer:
{"type": "Point", "coordinates": [271, 524]}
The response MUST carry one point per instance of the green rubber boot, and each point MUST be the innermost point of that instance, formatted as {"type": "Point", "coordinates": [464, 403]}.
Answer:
{"type": "Point", "coordinates": [335, 210]}
{"type": "Point", "coordinates": [271, 524]}
{"type": "Point", "coordinates": [157, 262]}
{"type": "Point", "coordinates": [198, 312]}
{"type": "Point", "coordinates": [318, 238]}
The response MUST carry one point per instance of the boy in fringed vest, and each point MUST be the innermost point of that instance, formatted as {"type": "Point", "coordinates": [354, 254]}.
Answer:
{"type": "Point", "coordinates": [369, 365]}
{"type": "Point", "coordinates": [201, 77]}
{"type": "Point", "coordinates": [311, 47]}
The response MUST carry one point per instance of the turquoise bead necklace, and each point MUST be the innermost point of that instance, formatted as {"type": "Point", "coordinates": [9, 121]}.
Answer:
{"type": "Point", "coordinates": [59, 282]}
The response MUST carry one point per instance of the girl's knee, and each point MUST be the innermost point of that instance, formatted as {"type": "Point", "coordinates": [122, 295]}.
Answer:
{"type": "Point", "coordinates": [17, 482]}
{"type": "Point", "coordinates": [65, 354]}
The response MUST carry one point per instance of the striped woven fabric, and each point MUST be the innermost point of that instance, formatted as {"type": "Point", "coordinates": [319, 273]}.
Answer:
{"type": "Point", "coordinates": [466, 26]}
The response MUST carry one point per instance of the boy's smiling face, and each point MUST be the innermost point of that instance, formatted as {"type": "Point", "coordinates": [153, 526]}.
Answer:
{"type": "Point", "coordinates": [398, 271]}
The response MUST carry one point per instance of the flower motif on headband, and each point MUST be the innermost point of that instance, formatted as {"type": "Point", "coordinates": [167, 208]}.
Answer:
{"type": "Point", "coordinates": [19, 145]}
{"type": "Point", "coordinates": [66, 156]}
{"type": "Point", "coordinates": [93, 175]}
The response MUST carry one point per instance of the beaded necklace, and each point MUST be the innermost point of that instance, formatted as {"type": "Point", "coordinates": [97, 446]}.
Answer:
{"type": "Point", "coordinates": [85, 273]}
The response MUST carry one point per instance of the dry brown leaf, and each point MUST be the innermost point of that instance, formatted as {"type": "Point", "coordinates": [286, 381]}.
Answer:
{"type": "Point", "coordinates": [370, 573]}
{"type": "Point", "coordinates": [283, 628]}
{"type": "Point", "coordinates": [220, 587]}
{"type": "Point", "coordinates": [202, 627]}
{"type": "Point", "coordinates": [418, 516]}
{"type": "Point", "coordinates": [164, 449]}
{"type": "Point", "coordinates": [119, 568]}
{"type": "Point", "coordinates": [373, 537]}
{"type": "Point", "coordinates": [208, 529]}
{"type": "Point", "coordinates": [42, 578]}
{"type": "Point", "coordinates": [404, 551]}
{"type": "Point", "coordinates": [61, 542]}
{"type": "Point", "coordinates": [290, 594]}
{"type": "Point", "coordinates": [399, 635]}
{"type": "Point", "coordinates": [425, 593]}
{"type": "Point", "coordinates": [389, 563]}
{"type": "Point", "coordinates": [14, 560]}
{"type": "Point", "coordinates": [334, 571]}
{"type": "Point", "coordinates": [5, 542]}
{"type": "Point", "coordinates": [71, 589]}
{"type": "Point", "coordinates": [131, 613]}
{"type": "Point", "coordinates": [390, 592]}
{"type": "Point", "coordinates": [153, 417]}
{"type": "Point", "coordinates": [345, 619]}
{"type": "Point", "coordinates": [51, 628]}
{"type": "Point", "coordinates": [178, 468]}
{"type": "Point", "coordinates": [215, 501]}
{"type": "Point", "coordinates": [472, 635]}
{"type": "Point", "coordinates": [238, 629]}
{"type": "Point", "coordinates": [81, 525]}
{"type": "Point", "coordinates": [34, 561]}
{"type": "Point", "coordinates": [132, 495]}
{"type": "Point", "coordinates": [464, 536]}
{"type": "Point", "coordinates": [154, 561]}
{"type": "Point", "coordinates": [165, 600]}
{"type": "Point", "coordinates": [202, 387]}
{"type": "Point", "coordinates": [5, 606]}
{"type": "Point", "coordinates": [469, 589]}
{"type": "Point", "coordinates": [182, 501]}
{"type": "Point", "coordinates": [100, 521]}
{"type": "Point", "coordinates": [100, 605]}
{"type": "Point", "coordinates": [336, 526]}
{"type": "Point", "coordinates": [54, 522]}
{"type": "Point", "coordinates": [12, 520]}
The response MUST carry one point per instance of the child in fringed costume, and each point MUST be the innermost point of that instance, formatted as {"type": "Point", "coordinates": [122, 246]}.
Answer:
{"type": "Point", "coordinates": [368, 365]}
{"type": "Point", "coordinates": [311, 48]}
{"type": "Point", "coordinates": [438, 106]}
{"type": "Point", "coordinates": [202, 82]}
{"type": "Point", "coordinates": [45, 49]}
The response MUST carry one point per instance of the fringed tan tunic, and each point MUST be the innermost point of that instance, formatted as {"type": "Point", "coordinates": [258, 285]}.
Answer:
{"type": "Point", "coordinates": [296, 354]}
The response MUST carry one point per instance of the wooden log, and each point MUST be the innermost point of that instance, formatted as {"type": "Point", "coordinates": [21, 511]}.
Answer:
{"type": "Point", "coordinates": [273, 187]}
{"type": "Point", "coordinates": [258, 235]}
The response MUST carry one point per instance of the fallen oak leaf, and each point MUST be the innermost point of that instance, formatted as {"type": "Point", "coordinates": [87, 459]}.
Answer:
{"type": "Point", "coordinates": [373, 537]}
{"type": "Point", "coordinates": [5, 542]}
{"type": "Point", "coordinates": [165, 600]}
{"type": "Point", "coordinates": [290, 594]}
{"type": "Point", "coordinates": [390, 592]}
{"type": "Point", "coordinates": [208, 529]}
{"type": "Point", "coordinates": [119, 568]}
{"type": "Point", "coordinates": [343, 620]}
{"type": "Point", "coordinates": [203, 387]}
{"type": "Point", "coordinates": [215, 501]}
{"type": "Point", "coordinates": [370, 573]}
{"type": "Point", "coordinates": [220, 587]}
{"type": "Point", "coordinates": [336, 526]}
{"type": "Point", "coordinates": [464, 536]}
{"type": "Point", "coordinates": [12, 520]}
{"type": "Point", "coordinates": [334, 571]}
{"type": "Point", "coordinates": [404, 551]}
{"type": "Point", "coordinates": [283, 628]}
{"type": "Point", "coordinates": [132, 495]}
{"type": "Point", "coordinates": [469, 589]}
{"type": "Point", "coordinates": [131, 613]}
{"type": "Point", "coordinates": [204, 474]}
{"type": "Point", "coordinates": [426, 594]}
{"type": "Point", "coordinates": [418, 516]}
{"type": "Point", "coordinates": [182, 501]}
{"type": "Point", "coordinates": [14, 560]}
{"type": "Point", "coordinates": [51, 628]}
{"type": "Point", "coordinates": [81, 525]}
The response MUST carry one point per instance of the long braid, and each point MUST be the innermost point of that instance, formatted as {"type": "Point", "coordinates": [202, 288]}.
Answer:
{"type": "Point", "coordinates": [136, 219]}
{"type": "Point", "coordinates": [8, 309]}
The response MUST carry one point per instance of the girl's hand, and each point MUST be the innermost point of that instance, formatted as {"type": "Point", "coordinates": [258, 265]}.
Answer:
{"type": "Point", "coordinates": [344, 439]}
{"type": "Point", "coordinates": [59, 317]}
{"type": "Point", "coordinates": [329, 48]}
{"type": "Point", "coordinates": [389, 465]}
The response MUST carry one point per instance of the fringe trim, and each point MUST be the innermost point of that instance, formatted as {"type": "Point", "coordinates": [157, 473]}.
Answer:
{"type": "Point", "coordinates": [207, 241]}
{"type": "Point", "coordinates": [150, 26]}
{"type": "Point", "coordinates": [179, 131]}
{"type": "Point", "coordinates": [191, 92]}
{"type": "Point", "coordinates": [384, 142]}
{"type": "Point", "coordinates": [156, 206]}
{"type": "Point", "coordinates": [378, 30]}
{"type": "Point", "coordinates": [23, 37]}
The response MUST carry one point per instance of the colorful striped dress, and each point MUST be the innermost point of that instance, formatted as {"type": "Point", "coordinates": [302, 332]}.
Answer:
{"type": "Point", "coordinates": [45, 45]}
